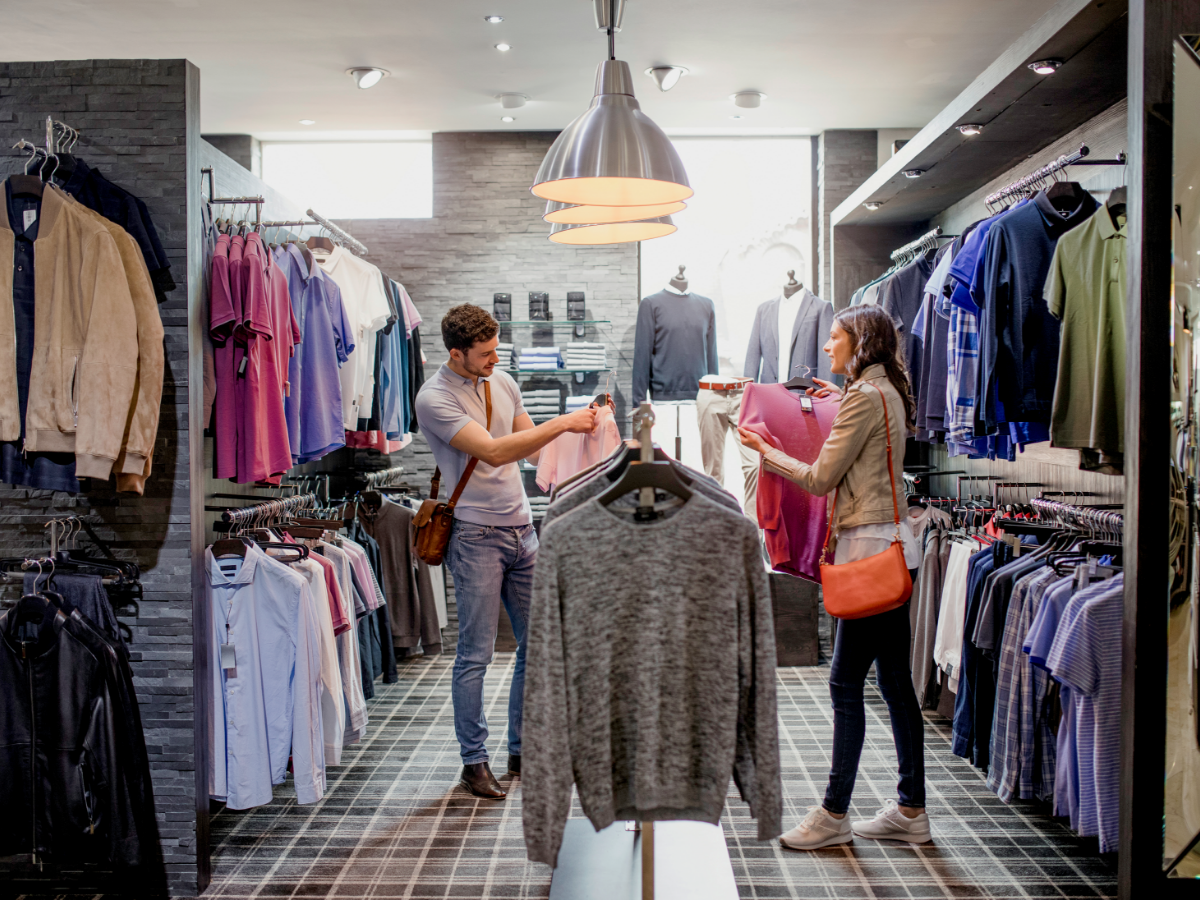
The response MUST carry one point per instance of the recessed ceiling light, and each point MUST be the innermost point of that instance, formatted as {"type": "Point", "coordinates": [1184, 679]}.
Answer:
{"type": "Point", "coordinates": [507, 119]}
{"type": "Point", "coordinates": [666, 76]}
{"type": "Point", "coordinates": [503, 48]}
{"type": "Point", "coordinates": [308, 121]}
{"type": "Point", "coordinates": [512, 101]}
{"type": "Point", "coordinates": [493, 20]}
{"type": "Point", "coordinates": [1046, 66]}
{"type": "Point", "coordinates": [970, 130]}
{"type": "Point", "coordinates": [748, 99]}
{"type": "Point", "coordinates": [913, 173]}
{"type": "Point", "coordinates": [872, 205]}
{"type": "Point", "coordinates": [367, 76]}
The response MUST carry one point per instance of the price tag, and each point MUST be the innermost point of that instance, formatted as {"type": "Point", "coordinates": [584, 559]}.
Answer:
{"type": "Point", "coordinates": [228, 656]}
{"type": "Point", "coordinates": [806, 403]}
{"type": "Point", "coordinates": [30, 216]}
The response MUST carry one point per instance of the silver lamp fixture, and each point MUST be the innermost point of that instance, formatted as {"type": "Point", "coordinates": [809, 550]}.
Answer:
{"type": "Point", "coordinates": [613, 155]}
{"type": "Point", "coordinates": [613, 232]}
{"type": "Point", "coordinates": [666, 77]}
{"type": "Point", "coordinates": [569, 214]}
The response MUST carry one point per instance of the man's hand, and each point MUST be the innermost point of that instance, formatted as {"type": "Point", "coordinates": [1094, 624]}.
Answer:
{"type": "Point", "coordinates": [582, 421]}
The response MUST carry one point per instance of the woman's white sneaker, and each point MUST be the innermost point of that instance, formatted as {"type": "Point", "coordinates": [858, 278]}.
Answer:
{"type": "Point", "coordinates": [890, 824]}
{"type": "Point", "coordinates": [818, 829]}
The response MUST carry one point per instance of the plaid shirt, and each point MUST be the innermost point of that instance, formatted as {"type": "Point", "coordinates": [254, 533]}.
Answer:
{"type": "Point", "coordinates": [962, 358]}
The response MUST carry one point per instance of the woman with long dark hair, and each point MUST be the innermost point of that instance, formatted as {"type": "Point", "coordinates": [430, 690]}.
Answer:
{"type": "Point", "coordinates": [865, 347]}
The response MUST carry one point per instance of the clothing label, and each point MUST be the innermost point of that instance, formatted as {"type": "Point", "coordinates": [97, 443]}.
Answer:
{"type": "Point", "coordinates": [242, 367]}
{"type": "Point", "coordinates": [228, 656]}
{"type": "Point", "coordinates": [30, 216]}
{"type": "Point", "coordinates": [806, 404]}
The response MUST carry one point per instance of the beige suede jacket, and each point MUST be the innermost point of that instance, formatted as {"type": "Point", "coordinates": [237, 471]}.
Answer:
{"type": "Point", "coordinates": [85, 352]}
{"type": "Point", "coordinates": [854, 457]}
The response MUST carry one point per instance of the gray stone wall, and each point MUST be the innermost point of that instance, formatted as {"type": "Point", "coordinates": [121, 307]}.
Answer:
{"type": "Point", "coordinates": [844, 161]}
{"type": "Point", "coordinates": [487, 236]}
{"type": "Point", "coordinates": [133, 119]}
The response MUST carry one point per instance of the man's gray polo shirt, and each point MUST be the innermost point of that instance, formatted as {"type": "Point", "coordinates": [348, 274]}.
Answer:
{"type": "Point", "coordinates": [445, 403]}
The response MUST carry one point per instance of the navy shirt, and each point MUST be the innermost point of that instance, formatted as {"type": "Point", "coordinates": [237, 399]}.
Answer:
{"type": "Point", "coordinates": [117, 205]}
{"type": "Point", "coordinates": [901, 298]}
{"type": "Point", "coordinates": [1018, 338]}
{"type": "Point", "coordinates": [48, 471]}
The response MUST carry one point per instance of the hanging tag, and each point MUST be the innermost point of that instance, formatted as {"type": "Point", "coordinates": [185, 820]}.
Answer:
{"type": "Point", "coordinates": [806, 403]}
{"type": "Point", "coordinates": [228, 656]}
{"type": "Point", "coordinates": [242, 367]}
{"type": "Point", "coordinates": [30, 216]}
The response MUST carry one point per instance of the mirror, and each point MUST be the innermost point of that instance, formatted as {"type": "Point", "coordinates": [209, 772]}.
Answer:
{"type": "Point", "coordinates": [1181, 833]}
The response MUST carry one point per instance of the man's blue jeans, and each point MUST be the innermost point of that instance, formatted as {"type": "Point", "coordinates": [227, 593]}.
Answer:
{"type": "Point", "coordinates": [490, 565]}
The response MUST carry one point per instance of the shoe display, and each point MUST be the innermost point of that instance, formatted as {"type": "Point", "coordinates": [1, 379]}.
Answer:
{"type": "Point", "coordinates": [818, 829]}
{"type": "Point", "coordinates": [479, 780]}
{"type": "Point", "coordinates": [890, 824]}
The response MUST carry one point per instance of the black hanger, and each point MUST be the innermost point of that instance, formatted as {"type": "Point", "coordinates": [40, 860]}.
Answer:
{"type": "Point", "coordinates": [320, 243]}
{"type": "Point", "coordinates": [233, 546]}
{"type": "Point", "coordinates": [1116, 204]}
{"type": "Point", "coordinates": [1066, 196]}
{"type": "Point", "coordinates": [661, 476]}
{"type": "Point", "coordinates": [799, 382]}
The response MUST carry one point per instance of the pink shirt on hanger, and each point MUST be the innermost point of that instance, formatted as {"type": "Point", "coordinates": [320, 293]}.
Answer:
{"type": "Point", "coordinates": [222, 322]}
{"type": "Point", "coordinates": [568, 454]}
{"type": "Point", "coordinates": [793, 520]}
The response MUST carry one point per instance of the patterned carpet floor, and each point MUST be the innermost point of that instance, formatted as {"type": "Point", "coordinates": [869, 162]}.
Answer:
{"type": "Point", "coordinates": [394, 825]}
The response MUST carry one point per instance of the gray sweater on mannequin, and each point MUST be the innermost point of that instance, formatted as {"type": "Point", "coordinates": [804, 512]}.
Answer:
{"type": "Point", "coordinates": [675, 345]}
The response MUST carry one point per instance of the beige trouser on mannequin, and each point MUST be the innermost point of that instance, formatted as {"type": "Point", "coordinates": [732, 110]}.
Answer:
{"type": "Point", "coordinates": [717, 412]}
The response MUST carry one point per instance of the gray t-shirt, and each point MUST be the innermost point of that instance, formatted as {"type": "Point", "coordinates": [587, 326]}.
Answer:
{"type": "Point", "coordinates": [495, 495]}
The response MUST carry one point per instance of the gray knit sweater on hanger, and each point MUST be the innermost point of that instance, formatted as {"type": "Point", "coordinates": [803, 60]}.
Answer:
{"type": "Point", "coordinates": [650, 674]}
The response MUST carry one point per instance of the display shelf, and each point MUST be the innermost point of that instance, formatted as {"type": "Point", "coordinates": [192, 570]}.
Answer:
{"type": "Point", "coordinates": [553, 371]}
{"type": "Point", "coordinates": [556, 322]}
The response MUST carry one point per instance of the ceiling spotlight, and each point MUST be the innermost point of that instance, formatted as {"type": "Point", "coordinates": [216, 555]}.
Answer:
{"type": "Point", "coordinates": [308, 121]}
{"type": "Point", "coordinates": [666, 76]}
{"type": "Point", "coordinates": [507, 119]}
{"type": "Point", "coordinates": [503, 48]}
{"type": "Point", "coordinates": [493, 20]}
{"type": "Point", "coordinates": [512, 101]}
{"type": "Point", "coordinates": [970, 130]}
{"type": "Point", "coordinates": [748, 99]}
{"type": "Point", "coordinates": [1046, 66]}
{"type": "Point", "coordinates": [872, 205]}
{"type": "Point", "coordinates": [913, 173]}
{"type": "Point", "coordinates": [367, 76]}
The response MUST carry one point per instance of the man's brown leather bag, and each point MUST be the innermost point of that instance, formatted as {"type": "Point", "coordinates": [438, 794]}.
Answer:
{"type": "Point", "coordinates": [434, 520]}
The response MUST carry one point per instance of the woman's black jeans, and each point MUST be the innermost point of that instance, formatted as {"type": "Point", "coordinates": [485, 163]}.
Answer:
{"type": "Point", "coordinates": [884, 640]}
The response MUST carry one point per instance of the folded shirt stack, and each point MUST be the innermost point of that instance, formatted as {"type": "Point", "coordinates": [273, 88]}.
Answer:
{"type": "Point", "coordinates": [505, 352]}
{"type": "Point", "coordinates": [542, 405]}
{"type": "Point", "coordinates": [540, 358]}
{"type": "Point", "coordinates": [574, 403]}
{"type": "Point", "coordinates": [584, 355]}
{"type": "Point", "coordinates": [538, 506]}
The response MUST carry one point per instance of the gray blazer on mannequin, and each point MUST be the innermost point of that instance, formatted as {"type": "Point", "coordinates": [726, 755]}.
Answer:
{"type": "Point", "coordinates": [809, 333]}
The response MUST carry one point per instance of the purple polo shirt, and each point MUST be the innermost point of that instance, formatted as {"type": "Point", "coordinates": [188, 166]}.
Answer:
{"type": "Point", "coordinates": [314, 407]}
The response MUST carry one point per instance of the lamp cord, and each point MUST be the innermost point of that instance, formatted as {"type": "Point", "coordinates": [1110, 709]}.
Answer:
{"type": "Point", "coordinates": [612, 29]}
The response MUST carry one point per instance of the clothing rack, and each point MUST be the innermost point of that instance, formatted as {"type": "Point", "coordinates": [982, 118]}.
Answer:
{"type": "Point", "coordinates": [1036, 179]}
{"type": "Point", "coordinates": [383, 477]}
{"type": "Point", "coordinates": [962, 478]}
{"type": "Point", "coordinates": [268, 509]}
{"type": "Point", "coordinates": [339, 233]}
{"type": "Point", "coordinates": [927, 241]}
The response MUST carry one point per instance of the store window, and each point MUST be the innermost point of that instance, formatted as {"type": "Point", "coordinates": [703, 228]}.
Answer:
{"type": "Point", "coordinates": [747, 225]}
{"type": "Point", "coordinates": [358, 180]}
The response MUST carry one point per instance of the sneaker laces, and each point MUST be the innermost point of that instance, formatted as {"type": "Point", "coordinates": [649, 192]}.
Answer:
{"type": "Point", "coordinates": [887, 807]}
{"type": "Point", "coordinates": [814, 815]}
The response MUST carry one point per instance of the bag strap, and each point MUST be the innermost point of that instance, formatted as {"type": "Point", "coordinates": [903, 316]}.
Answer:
{"type": "Point", "coordinates": [891, 481]}
{"type": "Point", "coordinates": [466, 475]}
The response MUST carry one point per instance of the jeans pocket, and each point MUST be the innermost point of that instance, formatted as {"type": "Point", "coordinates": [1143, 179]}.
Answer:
{"type": "Point", "coordinates": [471, 534]}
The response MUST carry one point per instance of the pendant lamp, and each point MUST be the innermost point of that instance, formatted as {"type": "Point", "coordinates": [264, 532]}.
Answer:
{"type": "Point", "coordinates": [567, 214]}
{"type": "Point", "coordinates": [613, 154]}
{"type": "Point", "coordinates": [612, 232]}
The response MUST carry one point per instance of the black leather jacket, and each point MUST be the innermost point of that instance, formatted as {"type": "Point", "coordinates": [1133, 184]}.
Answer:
{"type": "Point", "coordinates": [65, 766]}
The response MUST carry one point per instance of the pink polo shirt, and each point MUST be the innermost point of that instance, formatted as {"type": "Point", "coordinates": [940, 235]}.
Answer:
{"type": "Point", "coordinates": [793, 520]}
{"type": "Point", "coordinates": [569, 454]}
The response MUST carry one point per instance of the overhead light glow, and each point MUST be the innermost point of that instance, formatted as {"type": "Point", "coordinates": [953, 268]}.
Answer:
{"type": "Point", "coordinates": [493, 20]}
{"type": "Point", "coordinates": [612, 233]}
{"type": "Point", "coordinates": [308, 121]}
{"type": "Point", "coordinates": [913, 173]}
{"type": "Point", "coordinates": [503, 48]}
{"type": "Point", "coordinates": [970, 130]}
{"type": "Point", "coordinates": [566, 214]}
{"type": "Point", "coordinates": [507, 119]}
{"type": "Point", "coordinates": [1046, 66]}
{"type": "Point", "coordinates": [872, 205]}
{"type": "Point", "coordinates": [367, 76]}
{"type": "Point", "coordinates": [666, 76]}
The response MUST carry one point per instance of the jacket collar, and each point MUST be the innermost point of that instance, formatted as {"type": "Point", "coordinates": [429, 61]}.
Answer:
{"type": "Point", "coordinates": [872, 372]}
{"type": "Point", "coordinates": [53, 206]}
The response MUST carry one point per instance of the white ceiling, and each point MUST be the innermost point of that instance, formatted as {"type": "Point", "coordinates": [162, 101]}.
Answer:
{"type": "Point", "coordinates": [266, 64]}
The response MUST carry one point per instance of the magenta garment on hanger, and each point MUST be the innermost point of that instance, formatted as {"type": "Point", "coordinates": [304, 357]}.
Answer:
{"type": "Point", "coordinates": [793, 520]}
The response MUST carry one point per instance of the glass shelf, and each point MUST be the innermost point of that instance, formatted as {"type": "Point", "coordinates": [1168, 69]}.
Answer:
{"type": "Point", "coordinates": [553, 371]}
{"type": "Point", "coordinates": [557, 322]}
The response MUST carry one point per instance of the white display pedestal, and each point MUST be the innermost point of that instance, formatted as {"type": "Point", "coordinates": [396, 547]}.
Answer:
{"type": "Point", "coordinates": [691, 862]}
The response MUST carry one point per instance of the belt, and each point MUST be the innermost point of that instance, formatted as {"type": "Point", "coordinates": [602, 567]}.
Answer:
{"type": "Point", "coordinates": [724, 383]}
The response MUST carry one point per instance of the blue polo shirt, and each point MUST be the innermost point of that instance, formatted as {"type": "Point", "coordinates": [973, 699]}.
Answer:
{"type": "Point", "coordinates": [495, 495]}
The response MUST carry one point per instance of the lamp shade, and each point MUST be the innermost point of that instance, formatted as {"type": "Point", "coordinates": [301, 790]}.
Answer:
{"type": "Point", "coordinates": [612, 232]}
{"type": "Point", "coordinates": [566, 214]}
{"type": "Point", "coordinates": [613, 154]}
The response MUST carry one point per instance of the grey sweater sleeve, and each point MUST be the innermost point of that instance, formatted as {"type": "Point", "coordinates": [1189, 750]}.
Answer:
{"type": "Point", "coordinates": [643, 350]}
{"type": "Point", "coordinates": [547, 771]}
{"type": "Point", "coordinates": [756, 765]}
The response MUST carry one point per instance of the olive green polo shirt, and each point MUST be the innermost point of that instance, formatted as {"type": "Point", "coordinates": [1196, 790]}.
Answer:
{"type": "Point", "coordinates": [1085, 290]}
